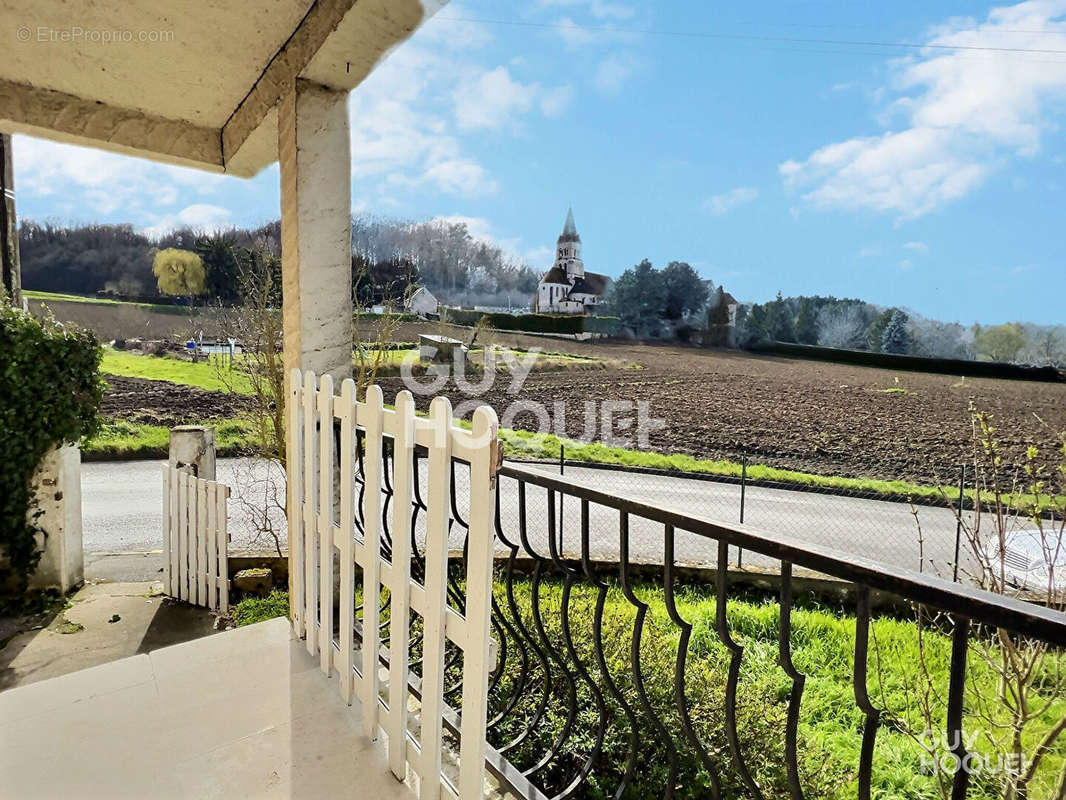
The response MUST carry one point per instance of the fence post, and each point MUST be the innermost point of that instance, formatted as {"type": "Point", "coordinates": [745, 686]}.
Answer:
{"type": "Point", "coordinates": [743, 486]}
{"type": "Point", "coordinates": [958, 521]}
{"type": "Point", "coordinates": [562, 467]}
{"type": "Point", "coordinates": [193, 446]}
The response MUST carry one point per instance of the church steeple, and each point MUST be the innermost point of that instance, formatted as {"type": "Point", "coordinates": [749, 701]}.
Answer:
{"type": "Point", "coordinates": [568, 250]}
{"type": "Point", "coordinates": [569, 233]}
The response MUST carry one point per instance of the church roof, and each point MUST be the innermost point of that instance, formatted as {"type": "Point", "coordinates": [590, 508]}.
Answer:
{"type": "Point", "coordinates": [556, 275]}
{"type": "Point", "coordinates": [569, 233]}
{"type": "Point", "coordinates": [591, 283]}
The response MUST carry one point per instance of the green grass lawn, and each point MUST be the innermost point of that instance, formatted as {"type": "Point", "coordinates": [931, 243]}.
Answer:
{"type": "Point", "coordinates": [830, 723]}
{"type": "Point", "coordinates": [46, 297]}
{"type": "Point", "coordinates": [118, 439]}
{"type": "Point", "coordinates": [207, 374]}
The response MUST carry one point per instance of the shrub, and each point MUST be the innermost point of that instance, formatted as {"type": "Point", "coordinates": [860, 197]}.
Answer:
{"type": "Point", "coordinates": [51, 388]}
{"type": "Point", "coordinates": [251, 610]}
{"type": "Point", "coordinates": [536, 323]}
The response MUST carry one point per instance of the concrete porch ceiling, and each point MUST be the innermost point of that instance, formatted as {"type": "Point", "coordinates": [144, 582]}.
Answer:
{"type": "Point", "coordinates": [194, 83]}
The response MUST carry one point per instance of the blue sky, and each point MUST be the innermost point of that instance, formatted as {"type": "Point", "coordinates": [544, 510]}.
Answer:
{"type": "Point", "coordinates": [774, 146]}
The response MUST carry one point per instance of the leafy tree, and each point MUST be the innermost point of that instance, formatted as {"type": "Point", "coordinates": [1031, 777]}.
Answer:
{"type": "Point", "coordinates": [876, 332]}
{"type": "Point", "coordinates": [686, 291]}
{"type": "Point", "coordinates": [1000, 342]}
{"type": "Point", "coordinates": [385, 282]}
{"type": "Point", "coordinates": [179, 272]}
{"type": "Point", "coordinates": [752, 325]}
{"type": "Point", "coordinates": [638, 297]}
{"type": "Point", "coordinates": [780, 320]}
{"type": "Point", "coordinates": [895, 338]}
{"type": "Point", "coordinates": [807, 322]}
{"type": "Point", "coordinates": [221, 259]}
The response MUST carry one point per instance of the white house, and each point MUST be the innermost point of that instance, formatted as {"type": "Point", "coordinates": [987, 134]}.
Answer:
{"type": "Point", "coordinates": [567, 288]}
{"type": "Point", "coordinates": [422, 302]}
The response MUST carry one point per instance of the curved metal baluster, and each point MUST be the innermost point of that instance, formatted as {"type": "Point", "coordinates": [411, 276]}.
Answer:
{"type": "Point", "coordinates": [518, 687]}
{"type": "Point", "coordinates": [386, 479]}
{"type": "Point", "coordinates": [679, 666]}
{"type": "Point", "coordinates": [601, 661]}
{"type": "Point", "coordinates": [538, 624]}
{"type": "Point", "coordinates": [597, 696]}
{"type": "Point", "coordinates": [784, 648]}
{"type": "Point", "coordinates": [634, 658]}
{"type": "Point", "coordinates": [862, 697]}
{"type": "Point", "coordinates": [512, 604]}
{"type": "Point", "coordinates": [960, 642]}
{"type": "Point", "coordinates": [360, 480]}
{"type": "Point", "coordinates": [418, 559]}
{"type": "Point", "coordinates": [734, 672]}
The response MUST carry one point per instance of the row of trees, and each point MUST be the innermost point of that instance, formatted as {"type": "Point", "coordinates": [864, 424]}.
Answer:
{"type": "Point", "coordinates": [856, 325]}
{"type": "Point", "coordinates": [388, 256]}
{"type": "Point", "coordinates": [645, 298]}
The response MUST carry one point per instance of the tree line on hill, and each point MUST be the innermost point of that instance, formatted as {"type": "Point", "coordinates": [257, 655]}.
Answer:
{"type": "Point", "coordinates": [388, 257]}
{"type": "Point", "coordinates": [857, 325]}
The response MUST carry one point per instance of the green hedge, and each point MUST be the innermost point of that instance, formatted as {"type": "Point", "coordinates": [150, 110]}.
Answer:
{"type": "Point", "coordinates": [944, 366]}
{"type": "Point", "coordinates": [571, 324]}
{"type": "Point", "coordinates": [50, 390]}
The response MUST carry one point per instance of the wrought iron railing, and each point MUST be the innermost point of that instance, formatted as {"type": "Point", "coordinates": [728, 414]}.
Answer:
{"type": "Point", "coordinates": [664, 738]}
{"type": "Point", "coordinates": [601, 686]}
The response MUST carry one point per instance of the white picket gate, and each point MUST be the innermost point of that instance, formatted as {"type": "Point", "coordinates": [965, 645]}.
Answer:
{"type": "Point", "coordinates": [322, 526]}
{"type": "Point", "coordinates": [195, 539]}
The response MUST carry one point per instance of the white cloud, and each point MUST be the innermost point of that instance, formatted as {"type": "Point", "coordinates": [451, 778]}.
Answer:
{"type": "Point", "coordinates": [916, 247]}
{"type": "Point", "coordinates": [199, 216]}
{"type": "Point", "coordinates": [870, 251]}
{"type": "Point", "coordinates": [86, 184]}
{"type": "Point", "coordinates": [494, 99]}
{"type": "Point", "coordinates": [613, 72]}
{"type": "Point", "coordinates": [723, 203]}
{"type": "Point", "coordinates": [906, 265]}
{"type": "Point", "coordinates": [965, 114]}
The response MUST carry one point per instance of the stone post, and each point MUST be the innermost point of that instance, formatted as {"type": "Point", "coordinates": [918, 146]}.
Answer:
{"type": "Point", "coordinates": [314, 152]}
{"type": "Point", "coordinates": [57, 490]}
{"type": "Point", "coordinates": [193, 446]}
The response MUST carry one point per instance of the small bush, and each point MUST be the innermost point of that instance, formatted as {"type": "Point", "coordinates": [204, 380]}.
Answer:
{"type": "Point", "coordinates": [259, 609]}
{"type": "Point", "coordinates": [51, 388]}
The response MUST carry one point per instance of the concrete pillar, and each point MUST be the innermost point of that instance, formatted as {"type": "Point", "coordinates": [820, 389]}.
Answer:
{"type": "Point", "coordinates": [193, 446]}
{"type": "Point", "coordinates": [58, 503]}
{"type": "Point", "coordinates": [314, 152]}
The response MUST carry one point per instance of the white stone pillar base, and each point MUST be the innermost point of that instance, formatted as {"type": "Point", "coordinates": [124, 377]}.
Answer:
{"type": "Point", "coordinates": [57, 486]}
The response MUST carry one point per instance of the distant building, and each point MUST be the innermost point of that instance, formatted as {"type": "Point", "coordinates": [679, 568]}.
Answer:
{"type": "Point", "coordinates": [567, 288]}
{"type": "Point", "coordinates": [422, 302]}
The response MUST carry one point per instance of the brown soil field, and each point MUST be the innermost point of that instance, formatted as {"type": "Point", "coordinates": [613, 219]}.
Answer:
{"type": "Point", "coordinates": [169, 404]}
{"type": "Point", "coordinates": [810, 416]}
{"type": "Point", "coordinates": [830, 419]}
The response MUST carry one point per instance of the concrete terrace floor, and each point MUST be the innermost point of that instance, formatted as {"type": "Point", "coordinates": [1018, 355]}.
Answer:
{"type": "Point", "coordinates": [242, 713]}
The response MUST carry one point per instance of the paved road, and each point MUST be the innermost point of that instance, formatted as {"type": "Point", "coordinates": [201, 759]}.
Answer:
{"type": "Point", "coordinates": [122, 509]}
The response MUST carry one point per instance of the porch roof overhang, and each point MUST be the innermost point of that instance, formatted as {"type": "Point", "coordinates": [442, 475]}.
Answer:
{"type": "Point", "coordinates": [196, 84]}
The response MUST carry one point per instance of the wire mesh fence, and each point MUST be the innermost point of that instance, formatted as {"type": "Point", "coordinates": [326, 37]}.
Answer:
{"type": "Point", "coordinates": [922, 535]}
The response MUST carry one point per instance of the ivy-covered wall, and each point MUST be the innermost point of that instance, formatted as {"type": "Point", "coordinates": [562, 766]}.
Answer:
{"type": "Point", "coordinates": [50, 390]}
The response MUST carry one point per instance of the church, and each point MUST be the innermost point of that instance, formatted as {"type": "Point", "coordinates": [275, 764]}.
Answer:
{"type": "Point", "coordinates": [567, 288]}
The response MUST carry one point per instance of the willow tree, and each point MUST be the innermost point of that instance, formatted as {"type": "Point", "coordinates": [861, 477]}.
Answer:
{"type": "Point", "coordinates": [179, 272]}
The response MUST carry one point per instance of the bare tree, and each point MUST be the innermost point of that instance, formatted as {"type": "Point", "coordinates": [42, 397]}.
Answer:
{"type": "Point", "coordinates": [841, 326]}
{"type": "Point", "coordinates": [1016, 538]}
